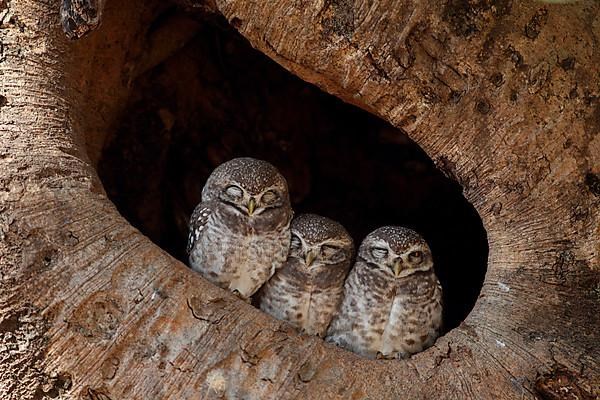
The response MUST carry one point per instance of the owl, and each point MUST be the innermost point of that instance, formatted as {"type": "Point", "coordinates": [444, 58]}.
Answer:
{"type": "Point", "coordinates": [392, 305]}
{"type": "Point", "coordinates": [239, 234]}
{"type": "Point", "coordinates": [307, 290]}
{"type": "Point", "coordinates": [80, 17]}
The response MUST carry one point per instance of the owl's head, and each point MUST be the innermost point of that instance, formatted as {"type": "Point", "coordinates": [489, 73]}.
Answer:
{"type": "Point", "coordinates": [320, 242]}
{"type": "Point", "coordinates": [249, 187]}
{"type": "Point", "coordinates": [397, 251]}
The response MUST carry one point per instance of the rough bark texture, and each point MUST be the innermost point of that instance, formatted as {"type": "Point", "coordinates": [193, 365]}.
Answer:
{"type": "Point", "coordinates": [504, 96]}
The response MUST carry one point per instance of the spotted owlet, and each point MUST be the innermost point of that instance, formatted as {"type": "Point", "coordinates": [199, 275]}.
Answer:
{"type": "Point", "coordinates": [392, 305]}
{"type": "Point", "coordinates": [240, 232]}
{"type": "Point", "coordinates": [307, 291]}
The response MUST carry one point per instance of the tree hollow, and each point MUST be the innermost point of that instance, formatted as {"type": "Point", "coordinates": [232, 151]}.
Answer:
{"type": "Point", "coordinates": [502, 96]}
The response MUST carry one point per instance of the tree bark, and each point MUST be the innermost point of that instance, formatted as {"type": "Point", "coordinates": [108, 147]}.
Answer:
{"type": "Point", "coordinates": [504, 96]}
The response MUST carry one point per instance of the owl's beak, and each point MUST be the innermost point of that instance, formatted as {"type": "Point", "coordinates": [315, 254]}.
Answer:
{"type": "Point", "coordinates": [397, 267]}
{"type": "Point", "coordinates": [251, 206]}
{"type": "Point", "coordinates": [310, 257]}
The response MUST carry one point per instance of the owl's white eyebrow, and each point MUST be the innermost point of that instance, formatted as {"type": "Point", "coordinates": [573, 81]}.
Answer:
{"type": "Point", "coordinates": [336, 243]}
{"type": "Point", "coordinates": [414, 248]}
{"type": "Point", "coordinates": [382, 244]}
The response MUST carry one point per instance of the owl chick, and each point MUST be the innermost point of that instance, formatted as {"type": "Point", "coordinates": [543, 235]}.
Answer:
{"type": "Point", "coordinates": [307, 291]}
{"type": "Point", "coordinates": [240, 232]}
{"type": "Point", "coordinates": [392, 305]}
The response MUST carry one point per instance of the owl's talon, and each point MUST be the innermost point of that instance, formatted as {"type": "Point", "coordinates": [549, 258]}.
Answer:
{"type": "Point", "coordinates": [392, 356]}
{"type": "Point", "coordinates": [240, 296]}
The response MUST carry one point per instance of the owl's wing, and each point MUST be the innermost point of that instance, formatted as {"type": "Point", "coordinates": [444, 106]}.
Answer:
{"type": "Point", "coordinates": [198, 221]}
{"type": "Point", "coordinates": [343, 328]}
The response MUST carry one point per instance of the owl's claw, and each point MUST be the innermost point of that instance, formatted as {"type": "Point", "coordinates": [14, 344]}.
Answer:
{"type": "Point", "coordinates": [381, 356]}
{"type": "Point", "coordinates": [240, 296]}
{"type": "Point", "coordinates": [393, 356]}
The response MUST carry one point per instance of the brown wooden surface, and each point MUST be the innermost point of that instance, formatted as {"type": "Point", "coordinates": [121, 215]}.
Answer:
{"type": "Point", "coordinates": [505, 97]}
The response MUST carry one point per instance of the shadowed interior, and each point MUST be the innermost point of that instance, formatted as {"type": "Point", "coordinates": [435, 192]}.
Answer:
{"type": "Point", "coordinates": [218, 98]}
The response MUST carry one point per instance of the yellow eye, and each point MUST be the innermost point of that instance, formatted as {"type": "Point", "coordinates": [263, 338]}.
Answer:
{"type": "Point", "coordinates": [328, 251]}
{"type": "Point", "coordinates": [416, 257]}
{"type": "Point", "coordinates": [269, 197]}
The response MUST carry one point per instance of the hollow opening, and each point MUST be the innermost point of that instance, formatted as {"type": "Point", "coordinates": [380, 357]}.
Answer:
{"type": "Point", "coordinates": [217, 98]}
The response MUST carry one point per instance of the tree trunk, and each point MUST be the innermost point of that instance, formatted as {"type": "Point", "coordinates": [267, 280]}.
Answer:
{"type": "Point", "coordinates": [504, 96]}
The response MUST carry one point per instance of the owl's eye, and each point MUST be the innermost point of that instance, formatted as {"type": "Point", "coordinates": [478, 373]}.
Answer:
{"type": "Point", "coordinates": [296, 243]}
{"type": "Point", "coordinates": [378, 252]}
{"type": "Point", "coordinates": [269, 198]}
{"type": "Point", "coordinates": [416, 257]}
{"type": "Point", "coordinates": [331, 253]}
{"type": "Point", "coordinates": [234, 192]}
